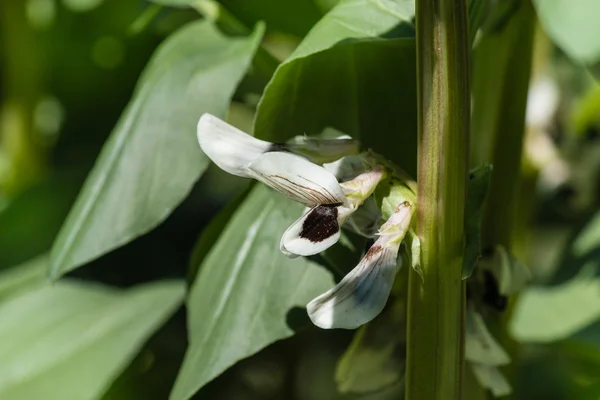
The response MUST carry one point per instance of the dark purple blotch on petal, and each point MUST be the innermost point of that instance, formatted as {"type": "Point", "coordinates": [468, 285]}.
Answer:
{"type": "Point", "coordinates": [320, 223]}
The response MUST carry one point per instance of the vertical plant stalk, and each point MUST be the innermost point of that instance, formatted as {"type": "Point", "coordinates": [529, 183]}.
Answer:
{"type": "Point", "coordinates": [436, 302]}
{"type": "Point", "coordinates": [503, 119]}
{"type": "Point", "coordinates": [499, 116]}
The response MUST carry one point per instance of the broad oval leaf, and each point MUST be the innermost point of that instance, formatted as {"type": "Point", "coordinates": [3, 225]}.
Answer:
{"type": "Point", "coordinates": [355, 71]}
{"type": "Point", "coordinates": [244, 290]}
{"type": "Point", "coordinates": [151, 159]}
{"type": "Point", "coordinates": [23, 277]}
{"type": "Point", "coordinates": [551, 313]}
{"type": "Point", "coordinates": [573, 25]}
{"type": "Point", "coordinates": [70, 340]}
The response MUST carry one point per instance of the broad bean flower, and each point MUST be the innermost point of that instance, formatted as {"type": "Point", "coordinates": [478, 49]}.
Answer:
{"type": "Point", "coordinates": [293, 169]}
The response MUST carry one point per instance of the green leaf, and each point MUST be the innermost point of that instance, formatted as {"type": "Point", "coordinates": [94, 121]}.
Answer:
{"type": "Point", "coordinates": [545, 314]}
{"type": "Point", "coordinates": [479, 181]}
{"type": "Point", "coordinates": [81, 5]}
{"type": "Point", "coordinates": [573, 26]}
{"type": "Point", "coordinates": [211, 233]}
{"type": "Point", "coordinates": [376, 357]}
{"type": "Point", "coordinates": [477, 10]}
{"type": "Point", "coordinates": [244, 291]}
{"type": "Point", "coordinates": [345, 75]}
{"type": "Point", "coordinates": [582, 252]}
{"type": "Point", "coordinates": [510, 273]}
{"type": "Point", "coordinates": [588, 240]}
{"type": "Point", "coordinates": [70, 340]}
{"type": "Point", "coordinates": [151, 160]}
{"type": "Point", "coordinates": [22, 277]}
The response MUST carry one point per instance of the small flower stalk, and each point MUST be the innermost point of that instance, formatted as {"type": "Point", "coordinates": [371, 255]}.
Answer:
{"type": "Point", "coordinates": [333, 181]}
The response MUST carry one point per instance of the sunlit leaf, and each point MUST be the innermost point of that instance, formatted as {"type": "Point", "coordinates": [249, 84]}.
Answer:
{"type": "Point", "coordinates": [339, 76]}
{"type": "Point", "coordinates": [151, 160]}
{"type": "Point", "coordinates": [244, 291]}
{"type": "Point", "coordinates": [545, 314]}
{"type": "Point", "coordinates": [81, 5]}
{"type": "Point", "coordinates": [583, 251]}
{"type": "Point", "coordinates": [70, 340]}
{"type": "Point", "coordinates": [28, 275]}
{"type": "Point", "coordinates": [573, 25]}
{"type": "Point", "coordinates": [588, 240]}
{"type": "Point", "coordinates": [212, 231]}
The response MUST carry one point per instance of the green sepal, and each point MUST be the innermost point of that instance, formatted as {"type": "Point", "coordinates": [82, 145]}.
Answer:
{"type": "Point", "coordinates": [390, 193]}
{"type": "Point", "coordinates": [413, 248]}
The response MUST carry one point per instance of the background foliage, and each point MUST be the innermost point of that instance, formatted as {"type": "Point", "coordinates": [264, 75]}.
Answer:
{"type": "Point", "coordinates": [167, 280]}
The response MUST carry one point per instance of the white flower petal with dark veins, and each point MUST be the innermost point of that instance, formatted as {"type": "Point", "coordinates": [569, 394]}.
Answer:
{"type": "Point", "coordinates": [313, 232]}
{"type": "Point", "coordinates": [480, 345]}
{"type": "Point", "coordinates": [361, 295]}
{"type": "Point", "coordinates": [297, 178]}
{"type": "Point", "coordinates": [228, 147]}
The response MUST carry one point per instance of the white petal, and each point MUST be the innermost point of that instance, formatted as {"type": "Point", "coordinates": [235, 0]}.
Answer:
{"type": "Point", "coordinates": [347, 168]}
{"type": "Point", "coordinates": [365, 220]}
{"type": "Point", "coordinates": [286, 252]}
{"type": "Point", "coordinates": [480, 345]}
{"type": "Point", "coordinates": [322, 151]}
{"type": "Point", "coordinates": [492, 379]}
{"type": "Point", "coordinates": [297, 178]}
{"type": "Point", "coordinates": [397, 225]}
{"type": "Point", "coordinates": [361, 295]}
{"type": "Point", "coordinates": [228, 147]}
{"type": "Point", "coordinates": [314, 232]}
{"type": "Point", "coordinates": [363, 186]}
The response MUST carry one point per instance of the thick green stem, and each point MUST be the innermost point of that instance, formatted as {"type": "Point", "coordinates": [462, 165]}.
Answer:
{"type": "Point", "coordinates": [436, 301]}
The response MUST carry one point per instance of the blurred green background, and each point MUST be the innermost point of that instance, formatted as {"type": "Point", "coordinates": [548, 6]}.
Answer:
{"type": "Point", "coordinates": [68, 69]}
